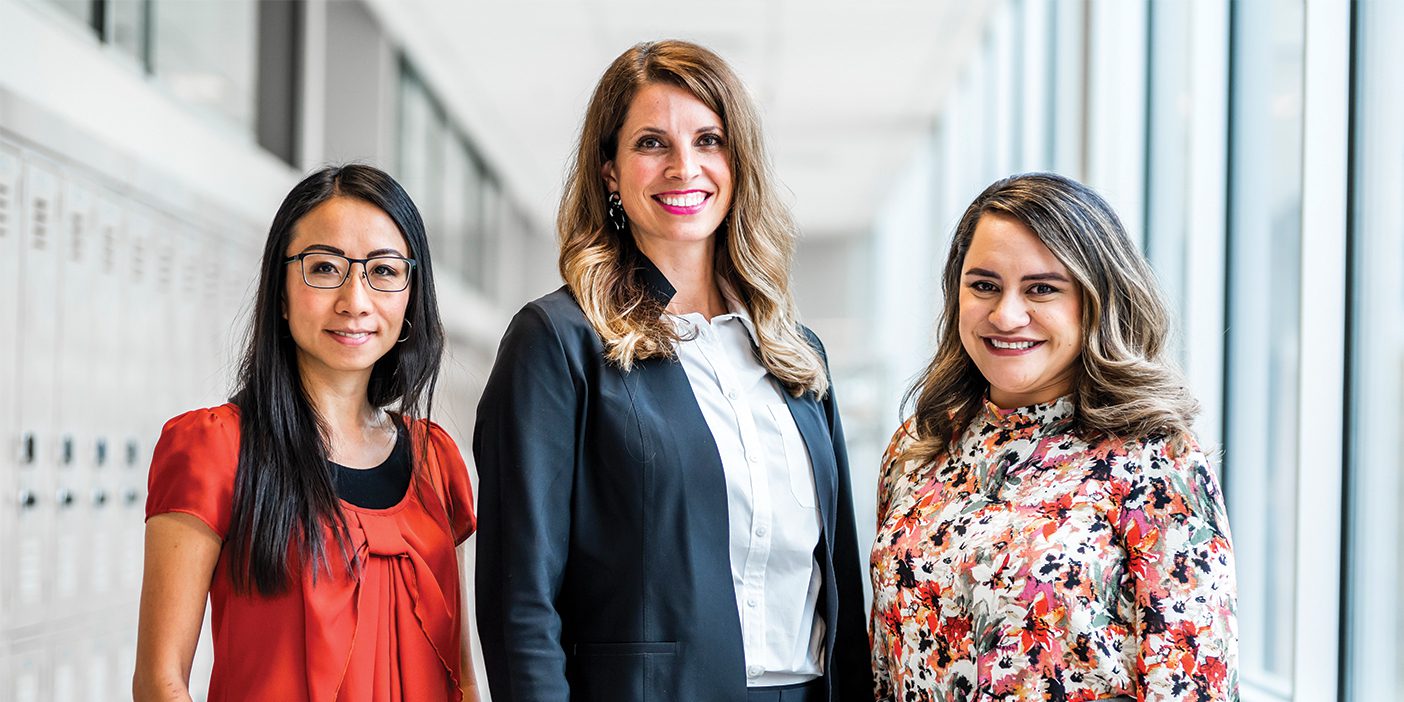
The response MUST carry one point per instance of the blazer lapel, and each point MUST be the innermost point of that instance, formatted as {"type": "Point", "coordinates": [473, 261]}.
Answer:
{"type": "Point", "coordinates": [809, 418]}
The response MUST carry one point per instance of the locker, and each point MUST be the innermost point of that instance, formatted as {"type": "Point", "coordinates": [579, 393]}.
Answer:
{"type": "Point", "coordinates": [34, 482]}
{"type": "Point", "coordinates": [73, 412]}
{"type": "Point", "coordinates": [108, 402]}
{"type": "Point", "coordinates": [10, 498]}
{"type": "Point", "coordinates": [25, 668]}
{"type": "Point", "coordinates": [140, 378]}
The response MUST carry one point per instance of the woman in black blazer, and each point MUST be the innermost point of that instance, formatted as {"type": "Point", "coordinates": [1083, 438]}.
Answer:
{"type": "Point", "coordinates": [664, 503]}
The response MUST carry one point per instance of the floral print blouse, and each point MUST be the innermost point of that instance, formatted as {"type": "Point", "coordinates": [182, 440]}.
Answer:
{"type": "Point", "coordinates": [1029, 564]}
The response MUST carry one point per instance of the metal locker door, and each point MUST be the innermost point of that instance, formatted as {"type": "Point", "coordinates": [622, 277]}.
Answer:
{"type": "Point", "coordinates": [188, 328]}
{"type": "Point", "coordinates": [40, 227]}
{"type": "Point", "coordinates": [11, 502]}
{"type": "Point", "coordinates": [73, 411]}
{"type": "Point", "coordinates": [138, 376]}
{"type": "Point", "coordinates": [24, 672]}
{"type": "Point", "coordinates": [65, 668]}
{"type": "Point", "coordinates": [108, 401]}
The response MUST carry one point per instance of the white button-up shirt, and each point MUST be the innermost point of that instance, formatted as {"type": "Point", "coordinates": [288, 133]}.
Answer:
{"type": "Point", "coordinates": [771, 502]}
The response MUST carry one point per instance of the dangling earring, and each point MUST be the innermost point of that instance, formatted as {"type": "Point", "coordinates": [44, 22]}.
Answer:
{"type": "Point", "coordinates": [408, 326]}
{"type": "Point", "coordinates": [616, 212]}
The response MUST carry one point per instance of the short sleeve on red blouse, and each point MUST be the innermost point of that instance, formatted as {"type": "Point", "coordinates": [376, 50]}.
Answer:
{"type": "Point", "coordinates": [458, 492]}
{"type": "Point", "coordinates": [193, 467]}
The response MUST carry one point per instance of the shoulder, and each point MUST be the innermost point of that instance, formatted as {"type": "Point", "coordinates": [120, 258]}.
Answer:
{"type": "Point", "coordinates": [205, 425]}
{"type": "Point", "coordinates": [436, 437]}
{"type": "Point", "coordinates": [1161, 470]}
{"type": "Point", "coordinates": [814, 341]}
{"type": "Point", "coordinates": [1153, 455]}
{"type": "Point", "coordinates": [902, 439]}
{"type": "Point", "coordinates": [554, 316]}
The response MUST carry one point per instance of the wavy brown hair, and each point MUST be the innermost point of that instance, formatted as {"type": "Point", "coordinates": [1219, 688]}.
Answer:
{"type": "Point", "coordinates": [1123, 385]}
{"type": "Point", "coordinates": [754, 244]}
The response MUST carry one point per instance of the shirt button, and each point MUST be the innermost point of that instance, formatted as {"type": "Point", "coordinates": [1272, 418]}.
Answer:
{"type": "Point", "coordinates": [753, 458]}
{"type": "Point", "coordinates": [753, 671]}
{"type": "Point", "coordinates": [731, 394]}
{"type": "Point", "coordinates": [761, 531]}
{"type": "Point", "coordinates": [751, 602]}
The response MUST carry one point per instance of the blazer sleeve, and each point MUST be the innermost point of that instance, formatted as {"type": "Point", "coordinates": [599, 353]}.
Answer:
{"type": "Point", "coordinates": [851, 669]}
{"type": "Point", "coordinates": [524, 442]}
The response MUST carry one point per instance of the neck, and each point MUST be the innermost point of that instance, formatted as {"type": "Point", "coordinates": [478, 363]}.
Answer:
{"type": "Point", "coordinates": [690, 268]}
{"type": "Point", "coordinates": [340, 400]}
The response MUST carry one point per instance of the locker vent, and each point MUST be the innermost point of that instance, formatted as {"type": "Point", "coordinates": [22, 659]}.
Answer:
{"type": "Point", "coordinates": [41, 224]}
{"type": "Point", "coordinates": [5, 196]}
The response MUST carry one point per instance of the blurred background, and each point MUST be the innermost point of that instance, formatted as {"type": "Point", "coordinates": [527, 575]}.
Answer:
{"type": "Point", "coordinates": [1255, 148]}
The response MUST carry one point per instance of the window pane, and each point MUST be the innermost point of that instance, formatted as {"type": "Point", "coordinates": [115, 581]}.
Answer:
{"type": "Point", "coordinates": [1375, 644]}
{"type": "Point", "coordinates": [127, 27]}
{"type": "Point", "coordinates": [1167, 194]}
{"type": "Point", "coordinates": [1263, 344]}
{"type": "Point", "coordinates": [423, 139]}
{"type": "Point", "coordinates": [81, 10]}
{"type": "Point", "coordinates": [205, 52]}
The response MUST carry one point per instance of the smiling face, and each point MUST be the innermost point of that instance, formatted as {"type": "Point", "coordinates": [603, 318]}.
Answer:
{"type": "Point", "coordinates": [346, 329]}
{"type": "Point", "coordinates": [672, 168]}
{"type": "Point", "coordinates": [1020, 314]}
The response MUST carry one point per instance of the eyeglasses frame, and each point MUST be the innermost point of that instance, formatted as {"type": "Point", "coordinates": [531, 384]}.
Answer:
{"type": "Point", "coordinates": [409, 277]}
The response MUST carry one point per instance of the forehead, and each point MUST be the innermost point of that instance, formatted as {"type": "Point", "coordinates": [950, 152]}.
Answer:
{"type": "Point", "coordinates": [354, 226]}
{"type": "Point", "coordinates": [1001, 242]}
{"type": "Point", "coordinates": [663, 106]}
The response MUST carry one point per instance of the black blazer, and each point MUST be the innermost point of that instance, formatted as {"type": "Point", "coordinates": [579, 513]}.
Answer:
{"type": "Point", "coordinates": [603, 566]}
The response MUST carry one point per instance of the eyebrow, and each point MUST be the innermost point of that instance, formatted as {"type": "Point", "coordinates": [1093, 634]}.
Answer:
{"type": "Point", "coordinates": [985, 273]}
{"type": "Point", "coordinates": [660, 132]}
{"type": "Point", "coordinates": [339, 252]}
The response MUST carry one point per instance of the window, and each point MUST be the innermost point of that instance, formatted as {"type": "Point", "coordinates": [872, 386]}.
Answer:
{"type": "Point", "coordinates": [205, 52]}
{"type": "Point", "coordinates": [1261, 430]}
{"type": "Point", "coordinates": [1375, 623]}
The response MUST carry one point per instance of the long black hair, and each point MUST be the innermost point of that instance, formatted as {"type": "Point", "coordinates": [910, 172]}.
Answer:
{"type": "Point", "coordinates": [283, 492]}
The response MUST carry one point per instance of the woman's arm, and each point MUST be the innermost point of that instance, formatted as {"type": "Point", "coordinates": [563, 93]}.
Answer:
{"type": "Point", "coordinates": [524, 445]}
{"type": "Point", "coordinates": [467, 679]}
{"type": "Point", "coordinates": [1182, 578]}
{"type": "Point", "coordinates": [181, 552]}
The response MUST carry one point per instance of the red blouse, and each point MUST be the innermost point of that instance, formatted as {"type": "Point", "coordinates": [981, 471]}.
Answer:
{"type": "Point", "coordinates": [391, 634]}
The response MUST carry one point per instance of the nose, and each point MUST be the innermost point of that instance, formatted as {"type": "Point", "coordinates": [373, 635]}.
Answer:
{"type": "Point", "coordinates": [1010, 312]}
{"type": "Point", "coordinates": [354, 295]}
{"type": "Point", "coordinates": [683, 165]}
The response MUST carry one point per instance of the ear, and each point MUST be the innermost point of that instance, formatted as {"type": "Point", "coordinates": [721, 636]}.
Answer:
{"type": "Point", "coordinates": [283, 303]}
{"type": "Point", "coordinates": [610, 175]}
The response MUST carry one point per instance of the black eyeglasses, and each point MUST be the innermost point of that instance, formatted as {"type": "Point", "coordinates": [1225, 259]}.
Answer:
{"type": "Point", "coordinates": [329, 270]}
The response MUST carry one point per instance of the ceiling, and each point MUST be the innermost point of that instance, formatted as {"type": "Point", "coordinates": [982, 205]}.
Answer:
{"type": "Point", "coordinates": [847, 90]}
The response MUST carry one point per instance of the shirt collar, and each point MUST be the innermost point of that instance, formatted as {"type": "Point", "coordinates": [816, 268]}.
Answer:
{"type": "Point", "coordinates": [736, 310]}
{"type": "Point", "coordinates": [1048, 416]}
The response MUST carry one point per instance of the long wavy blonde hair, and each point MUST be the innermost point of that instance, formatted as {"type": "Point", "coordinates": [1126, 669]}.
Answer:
{"type": "Point", "coordinates": [1124, 385]}
{"type": "Point", "coordinates": [754, 244]}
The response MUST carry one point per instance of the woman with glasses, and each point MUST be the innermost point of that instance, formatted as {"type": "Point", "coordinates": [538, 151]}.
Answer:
{"type": "Point", "coordinates": [319, 509]}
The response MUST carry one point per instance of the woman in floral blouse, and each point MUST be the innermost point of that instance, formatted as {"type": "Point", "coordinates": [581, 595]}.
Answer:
{"type": "Point", "coordinates": [1048, 529]}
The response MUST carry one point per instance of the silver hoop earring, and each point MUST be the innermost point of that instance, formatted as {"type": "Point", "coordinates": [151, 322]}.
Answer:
{"type": "Point", "coordinates": [408, 327]}
{"type": "Point", "coordinates": [616, 212]}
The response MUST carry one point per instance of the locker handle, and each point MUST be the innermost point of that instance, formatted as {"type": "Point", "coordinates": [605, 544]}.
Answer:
{"type": "Point", "coordinates": [131, 496]}
{"type": "Point", "coordinates": [64, 497]}
{"type": "Point", "coordinates": [67, 450]}
{"type": "Point", "coordinates": [101, 452]}
{"type": "Point", "coordinates": [99, 497]}
{"type": "Point", "coordinates": [131, 452]}
{"type": "Point", "coordinates": [27, 448]}
{"type": "Point", "coordinates": [27, 499]}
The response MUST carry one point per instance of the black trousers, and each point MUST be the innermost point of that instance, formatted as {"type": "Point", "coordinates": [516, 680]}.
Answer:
{"type": "Point", "coordinates": [812, 691]}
